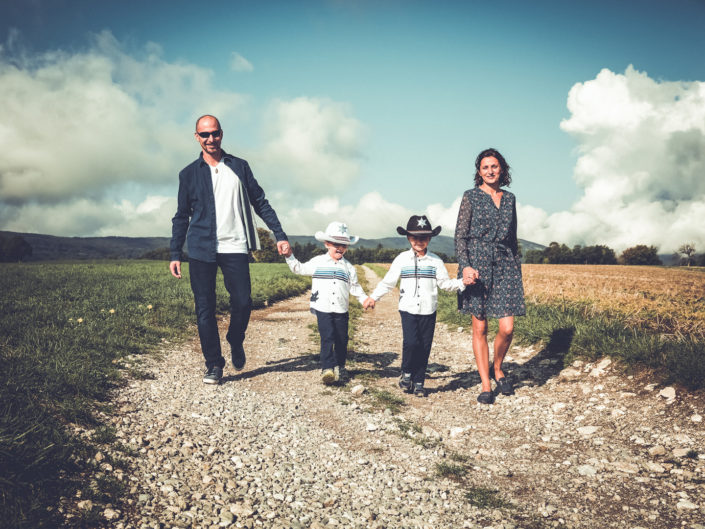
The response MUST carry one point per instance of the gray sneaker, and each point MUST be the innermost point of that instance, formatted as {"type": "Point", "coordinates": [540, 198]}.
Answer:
{"type": "Point", "coordinates": [405, 382]}
{"type": "Point", "coordinates": [419, 390]}
{"type": "Point", "coordinates": [341, 374]}
{"type": "Point", "coordinates": [213, 375]}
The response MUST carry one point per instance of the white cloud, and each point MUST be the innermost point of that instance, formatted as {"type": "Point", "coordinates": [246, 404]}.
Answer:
{"type": "Point", "coordinates": [312, 147]}
{"type": "Point", "coordinates": [239, 64]}
{"type": "Point", "coordinates": [80, 124]}
{"type": "Point", "coordinates": [79, 129]}
{"type": "Point", "coordinates": [371, 217]}
{"type": "Point", "coordinates": [641, 166]}
{"type": "Point", "coordinates": [445, 217]}
{"type": "Point", "coordinates": [95, 218]}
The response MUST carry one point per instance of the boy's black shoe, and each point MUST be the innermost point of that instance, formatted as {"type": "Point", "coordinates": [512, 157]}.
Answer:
{"type": "Point", "coordinates": [213, 375]}
{"type": "Point", "coordinates": [238, 357]}
{"type": "Point", "coordinates": [405, 382]}
{"type": "Point", "coordinates": [419, 390]}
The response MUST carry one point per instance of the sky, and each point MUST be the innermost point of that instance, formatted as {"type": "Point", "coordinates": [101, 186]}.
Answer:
{"type": "Point", "coordinates": [360, 111]}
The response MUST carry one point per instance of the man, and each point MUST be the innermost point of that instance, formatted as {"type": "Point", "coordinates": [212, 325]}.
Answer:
{"type": "Point", "coordinates": [217, 193]}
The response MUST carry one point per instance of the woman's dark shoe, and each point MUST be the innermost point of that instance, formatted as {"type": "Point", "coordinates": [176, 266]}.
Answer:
{"type": "Point", "coordinates": [486, 397]}
{"type": "Point", "coordinates": [505, 387]}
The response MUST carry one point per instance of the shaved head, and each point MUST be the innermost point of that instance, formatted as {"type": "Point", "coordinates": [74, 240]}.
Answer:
{"type": "Point", "coordinates": [207, 116]}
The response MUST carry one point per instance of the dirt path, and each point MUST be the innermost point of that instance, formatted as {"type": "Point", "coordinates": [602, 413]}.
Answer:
{"type": "Point", "coordinates": [271, 446]}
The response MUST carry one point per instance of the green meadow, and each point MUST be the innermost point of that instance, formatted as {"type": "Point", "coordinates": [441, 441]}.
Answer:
{"type": "Point", "coordinates": [70, 333]}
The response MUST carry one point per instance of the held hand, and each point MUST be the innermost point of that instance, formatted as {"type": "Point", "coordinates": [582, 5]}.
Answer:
{"type": "Point", "coordinates": [175, 267]}
{"type": "Point", "coordinates": [284, 248]}
{"type": "Point", "coordinates": [470, 275]}
{"type": "Point", "coordinates": [369, 303]}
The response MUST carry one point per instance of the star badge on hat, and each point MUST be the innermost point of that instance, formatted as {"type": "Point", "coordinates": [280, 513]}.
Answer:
{"type": "Point", "coordinates": [419, 225]}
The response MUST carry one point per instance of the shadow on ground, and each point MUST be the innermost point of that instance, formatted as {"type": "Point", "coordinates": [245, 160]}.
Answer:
{"type": "Point", "coordinates": [306, 362]}
{"type": "Point", "coordinates": [358, 365]}
{"type": "Point", "coordinates": [379, 365]}
{"type": "Point", "coordinates": [543, 366]}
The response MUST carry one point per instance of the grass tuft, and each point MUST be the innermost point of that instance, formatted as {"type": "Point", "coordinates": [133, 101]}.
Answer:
{"type": "Point", "coordinates": [451, 471]}
{"type": "Point", "coordinates": [485, 498]}
{"type": "Point", "coordinates": [382, 399]}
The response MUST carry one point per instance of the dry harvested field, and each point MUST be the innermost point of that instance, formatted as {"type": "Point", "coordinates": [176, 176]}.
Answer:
{"type": "Point", "coordinates": [667, 300]}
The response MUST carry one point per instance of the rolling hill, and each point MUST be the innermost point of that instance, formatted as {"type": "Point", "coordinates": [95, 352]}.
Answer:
{"type": "Point", "coordinates": [51, 248]}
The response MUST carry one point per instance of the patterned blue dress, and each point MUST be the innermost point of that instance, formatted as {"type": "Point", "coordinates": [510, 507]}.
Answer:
{"type": "Point", "coordinates": [486, 239]}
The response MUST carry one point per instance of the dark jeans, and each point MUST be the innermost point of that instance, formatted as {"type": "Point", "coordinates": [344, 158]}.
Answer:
{"type": "Point", "coordinates": [418, 332]}
{"type": "Point", "coordinates": [236, 276]}
{"type": "Point", "coordinates": [333, 328]}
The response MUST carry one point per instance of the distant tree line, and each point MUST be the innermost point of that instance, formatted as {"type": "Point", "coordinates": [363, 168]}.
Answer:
{"type": "Point", "coordinates": [556, 253]}
{"type": "Point", "coordinates": [686, 255]}
{"type": "Point", "coordinates": [304, 252]}
{"type": "Point", "coordinates": [14, 248]}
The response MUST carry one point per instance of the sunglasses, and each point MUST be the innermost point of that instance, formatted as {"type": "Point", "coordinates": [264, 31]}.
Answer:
{"type": "Point", "coordinates": [214, 133]}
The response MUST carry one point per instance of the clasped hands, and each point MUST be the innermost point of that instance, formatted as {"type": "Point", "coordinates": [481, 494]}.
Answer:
{"type": "Point", "coordinates": [284, 248]}
{"type": "Point", "coordinates": [470, 275]}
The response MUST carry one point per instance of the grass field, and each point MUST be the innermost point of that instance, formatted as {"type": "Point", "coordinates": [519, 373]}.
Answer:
{"type": "Point", "coordinates": [669, 301]}
{"type": "Point", "coordinates": [642, 315]}
{"type": "Point", "coordinates": [69, 333]}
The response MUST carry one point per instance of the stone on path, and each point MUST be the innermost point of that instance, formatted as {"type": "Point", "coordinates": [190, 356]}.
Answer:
{"type": "Point", "coordinates": [358, 390]}
{"type": "Point", "coordinates": [668, 393]}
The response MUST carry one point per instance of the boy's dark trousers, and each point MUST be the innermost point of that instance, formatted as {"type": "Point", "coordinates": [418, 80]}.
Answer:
{"type": "Point", "coordinates": [418, 336]}
{"type": "Point", "coordinates": [333, 328]}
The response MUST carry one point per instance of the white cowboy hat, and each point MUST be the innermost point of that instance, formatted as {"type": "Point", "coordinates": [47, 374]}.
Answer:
{"type": "Point", "coordinates": [336, 232]}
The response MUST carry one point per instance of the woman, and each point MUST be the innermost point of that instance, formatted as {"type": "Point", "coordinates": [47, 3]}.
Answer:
{"type": "Point", "coordinates": [487, 248]}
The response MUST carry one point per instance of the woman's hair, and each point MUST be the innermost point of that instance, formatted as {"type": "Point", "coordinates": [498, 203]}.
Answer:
{"type": "Point", "coordinates": [505, 178]}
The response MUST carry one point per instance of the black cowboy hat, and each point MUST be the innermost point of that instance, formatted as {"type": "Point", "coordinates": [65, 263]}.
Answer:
{"type": "Point", "coordinates": [419, 226]}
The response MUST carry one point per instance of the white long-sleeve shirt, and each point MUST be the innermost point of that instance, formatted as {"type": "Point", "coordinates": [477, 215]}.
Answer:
{"type": "Point", "coordinates": [421, 277]}
{"type": "Point", "coordinates": [333, 282]}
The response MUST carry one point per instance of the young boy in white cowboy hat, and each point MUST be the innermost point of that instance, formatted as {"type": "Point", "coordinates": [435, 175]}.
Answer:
{"type": "Point", "coordinates": [334, 279]}
{"type": "Point", "coordinates": [422, 273]}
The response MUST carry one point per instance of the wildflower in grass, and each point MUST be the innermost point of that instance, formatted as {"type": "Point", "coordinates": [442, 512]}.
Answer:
{"type": "Point", "coordinates": [149, 307]}
{"type": "Point", "coordinates": [80, 320]}
{"type": "Point", "coordinates": [112, 311]}
{"type": "Point", "coordinates": [102, 310]}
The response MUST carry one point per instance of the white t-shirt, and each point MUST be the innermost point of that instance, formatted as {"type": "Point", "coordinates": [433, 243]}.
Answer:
{"type": "Point", "coordinates": [228, 214]}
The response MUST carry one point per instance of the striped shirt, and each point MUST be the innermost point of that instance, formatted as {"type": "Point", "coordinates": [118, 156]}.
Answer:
{"type": "Point", "coordinates": [421, 277]}
{"type": "Point", "coordinates": [333, 282]}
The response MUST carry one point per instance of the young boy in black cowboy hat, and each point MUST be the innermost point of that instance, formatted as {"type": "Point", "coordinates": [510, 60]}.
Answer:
{"type": "Point", "coordinates": [334, 279]}
{"type": "Point", "coordinates": [421, 273]}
